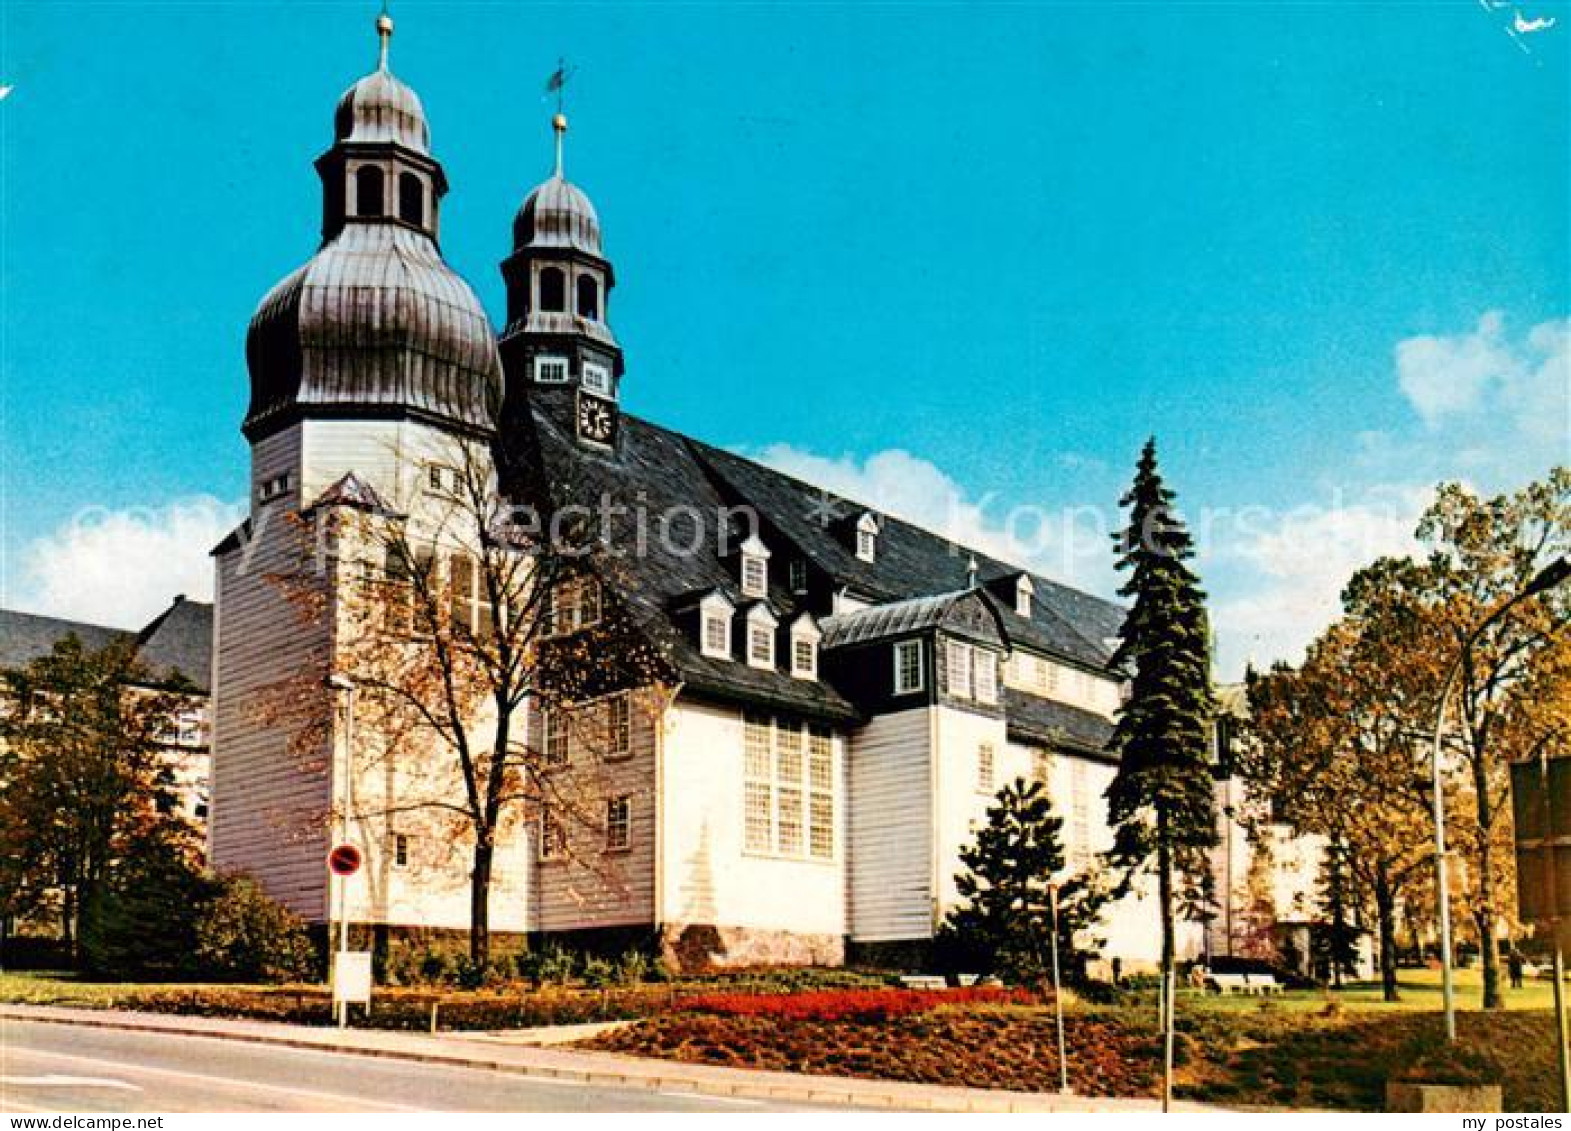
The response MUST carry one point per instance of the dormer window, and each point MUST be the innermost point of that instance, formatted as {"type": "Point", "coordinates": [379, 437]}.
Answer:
{"type": "Point", "coordinates": [714, 627]}
{"type": "Point", "coordinates": [597, 379]}
{"type": "Point", "coordinates": [761, 625]}
{"type": "Point", "coordinates": [755, 568]}
{"type": "Point", "coordinates": [1024, 591]}
{"type": "Point", "coordinates": [804, 647]}
{"type": "Point", "coordinates": [867, 537]}
{"type": "Point", "coordinates": [798, 576]}
{"type": "Point", "coordinates": [573, 605]}
{"type": "Point", "coordinates": [551, 370]}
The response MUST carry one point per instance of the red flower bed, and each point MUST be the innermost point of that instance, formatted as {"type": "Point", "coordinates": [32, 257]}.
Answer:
{"type": "Point", "coordinates": [851, 1005]}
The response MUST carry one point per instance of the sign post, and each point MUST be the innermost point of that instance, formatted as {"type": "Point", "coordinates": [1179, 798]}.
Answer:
{"type": "Point", "coordinates": [351, 969]}
{"type": "Point", "coordinates": [1541, 805]}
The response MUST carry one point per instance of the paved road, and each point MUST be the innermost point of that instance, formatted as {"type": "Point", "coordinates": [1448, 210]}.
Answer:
{"type": "Point", "coordinates": [64, 1068]}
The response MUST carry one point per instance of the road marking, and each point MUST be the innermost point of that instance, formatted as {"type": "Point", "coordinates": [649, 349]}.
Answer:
{"type": "Point", "coordinates": [286, 1089]}
{"type": "Point", "coordinates": [54, 1081]}
{"type": "Point", "coordinates": [705, 1098]}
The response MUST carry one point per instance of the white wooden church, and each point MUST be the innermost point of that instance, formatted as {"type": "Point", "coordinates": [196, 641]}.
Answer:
{"type": "Point", "coordinates": [853, 690]}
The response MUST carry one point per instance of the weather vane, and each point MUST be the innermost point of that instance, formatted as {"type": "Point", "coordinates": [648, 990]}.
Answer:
{"type": "Point", "coordinates": [557, 83]}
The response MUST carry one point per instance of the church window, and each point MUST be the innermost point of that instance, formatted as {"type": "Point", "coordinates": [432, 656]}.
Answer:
{"type": "Point", "coordinates": [985, 675]}
{"type": "Point", "coordinates": [789, 789]}
{"type": "Point", "coordinates": [411, 199]}
{"type": "Point", "coordinates": [717, 634]}
{"type": "Point", "coordinates": [957, 669]}
{"type": "Point", "coordinates": [597, 379]}
{"type": "Point", "coordinates": [553, 290]}
{"type": "Point", "coordinates": [553, 837]}
{"type": "Point", "coordinates": [619, 823]}
{"type": "Point", "coordinates": [908, 667]}
{"type": "Point", "coordinates": [274, 488]}
{"type": "Point", "coordinates": [573, 605]}
{"type": "Point", "coordinates": [588, 297]}
{"type": "Point", "coordinates": [755, 575]}
{"type": "Point", "coordinates": [550, 370]}
{"type": "Point", "coordinates": [618, 726]}
{"type": "Point", "coordinates": [867, 538]}
{"type": "Point", "coordinates": [368, 191]}
{"type": "Point", "coordinates": [761, 645]}
{"type": "Point", "coordinates": [984, 768]}
{"type": "Point", "coordinates": [1024, 590]}
{"type": "Point", "coordinates": [804, 657]}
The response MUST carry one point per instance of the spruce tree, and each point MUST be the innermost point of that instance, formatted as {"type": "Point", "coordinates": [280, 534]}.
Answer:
{"type": "Point", "coordinates": [1161, 801]}
{"type": "Point", "coordinates": [1005, 924]}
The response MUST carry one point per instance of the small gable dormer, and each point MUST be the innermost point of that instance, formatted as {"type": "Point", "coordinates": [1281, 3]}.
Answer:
{"type": "Point", "coordinates": [761, 626]}
{"type": "Point", "coordinates": [715, 612]}
{"type": "Point", "coordinates": [1025, 591]}
{"type": "Point", "coordinates": [805, 637]}
{"type": "Point", "coordinates": [754, 567]}
{"type": "Point", "coordinates": [866, 534]}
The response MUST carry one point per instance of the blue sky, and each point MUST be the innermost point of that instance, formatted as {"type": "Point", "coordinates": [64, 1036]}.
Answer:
{"type": "Point", "coordinates": [962, 258]}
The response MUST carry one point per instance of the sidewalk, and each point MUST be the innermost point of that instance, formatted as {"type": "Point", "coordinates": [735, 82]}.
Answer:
{"type": "Point", "coordinates": [485, 1051]}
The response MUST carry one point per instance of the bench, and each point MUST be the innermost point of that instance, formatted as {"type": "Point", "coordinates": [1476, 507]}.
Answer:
{"type": "Point", "coordinates": [1262, 984]}
{"type": "Point", "coordinates": [923, 982]}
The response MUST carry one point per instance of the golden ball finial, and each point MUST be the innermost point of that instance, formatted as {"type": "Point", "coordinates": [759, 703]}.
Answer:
{"type": "Point", "coordinates": [559, 123]}
{"type": "Point", "coordinates": [384, 24]}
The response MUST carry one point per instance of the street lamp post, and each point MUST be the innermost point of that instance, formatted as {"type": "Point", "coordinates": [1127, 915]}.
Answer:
{"type": "Point", "coordinates": [340, 682]}
{"type": "Point", "coordinates": [1546, 579]}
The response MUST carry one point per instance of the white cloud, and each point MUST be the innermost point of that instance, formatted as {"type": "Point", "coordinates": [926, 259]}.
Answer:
{"type": "Point", "coordinates": [1481, 392]}
{"type": "Point", "coordinates": [123, 567]}
{"type": "Point", "coordinates": [1066, 543]}
{"type": "Point", "coordinates": [1278, 577]}
{"type": "Point", "coordinates": [1445, 376]}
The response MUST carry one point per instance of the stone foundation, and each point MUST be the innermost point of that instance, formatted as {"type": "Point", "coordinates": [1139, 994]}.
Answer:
{"type": "Point", "coordinates": [693, 947]}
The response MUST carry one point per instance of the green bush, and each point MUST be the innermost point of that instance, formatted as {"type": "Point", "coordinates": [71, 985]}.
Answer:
{"type": "Point", "coordinates": [145, 922]}
{"type": "Point", "coordinates": [243, 936]}
{"type": "Point", "coordinates": [598, 972]}
{"type": "Point", "coordinates": [632, 968]}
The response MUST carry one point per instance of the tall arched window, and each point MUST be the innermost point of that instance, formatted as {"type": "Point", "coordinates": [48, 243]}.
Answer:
{"type": "Point", "coordinates": [588, 297]}
{"type": "Point", "coordinates": [411, 199]}
{"type": "Point", "coordinates": [368, 191]}
{"type": "Point", "coordinates": [553, 290]}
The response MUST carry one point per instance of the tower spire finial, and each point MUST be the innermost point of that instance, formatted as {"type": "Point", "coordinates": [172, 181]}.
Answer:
{"type": "Point", "coordinates": [556, 85]}
{"type": "Point", "coordinates": [384, 33]}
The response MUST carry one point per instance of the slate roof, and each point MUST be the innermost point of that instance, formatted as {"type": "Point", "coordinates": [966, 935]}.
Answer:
{"type": "Point", "coordinates": [1056, 724]}
{"type": "Point", "coordinates": [916, 577]}
{"type": "Point", "coordinates": [180, 639]}
{"type": "Point", "coordinates": [24, 637]}
{"type": "Point", "coordinates": [913, 562]}
{"type": "Point", "coordinates": [898, 618]}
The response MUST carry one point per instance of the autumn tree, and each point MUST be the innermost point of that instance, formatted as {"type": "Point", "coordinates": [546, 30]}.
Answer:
{"type": "Point", "coordinates": [483, 644]}
{"type": "Point", "coordinates": [80, 786]}
{"type": "Point", "coordinates": [1014, 870]}
{"type": "Point", "coordinates": [1484, 552]}
{"type": "Point", "coordinates": [1161, 801]}
{"type": "Point", "coordinates": [1337, 751]}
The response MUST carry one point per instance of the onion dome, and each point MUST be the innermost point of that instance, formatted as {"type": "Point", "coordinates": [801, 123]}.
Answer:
{"type": "Point", "coordinates": [376, 324]}
{"type": "Point", "coordinates": [380, 108]}
{"type": "Point", "coordinates": [557, 214]}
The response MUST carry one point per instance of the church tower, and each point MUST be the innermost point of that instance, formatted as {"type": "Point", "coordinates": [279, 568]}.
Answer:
{"type": "Point", "coordinates": [557, 348]}
{"type": "Point", "coordinates": [372, 368]}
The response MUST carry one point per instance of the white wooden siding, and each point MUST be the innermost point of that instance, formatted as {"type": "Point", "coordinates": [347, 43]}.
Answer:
{"type": "Point", "coordinates": [890, 828]}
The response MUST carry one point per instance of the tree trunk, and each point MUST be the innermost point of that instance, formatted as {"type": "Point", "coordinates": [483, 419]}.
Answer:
{"type": "Point", "coordinates": [480, 900]}
{"type": "Point", "coordinates": [68, 925]}
{"type": "Point", "coordinates": [1165, 896]}
{"type": "Point", "coordinates": [1484, 914]}
{"type": "Point", "coordinates": [1385, 912]}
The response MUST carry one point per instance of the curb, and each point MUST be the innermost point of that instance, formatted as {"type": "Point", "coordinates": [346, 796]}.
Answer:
{"type": "Point", "coordinates": [822, 1089]}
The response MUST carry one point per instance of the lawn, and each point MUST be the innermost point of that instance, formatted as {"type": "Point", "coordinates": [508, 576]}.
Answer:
{"type": "Point", "coordinates": [1420, 991]}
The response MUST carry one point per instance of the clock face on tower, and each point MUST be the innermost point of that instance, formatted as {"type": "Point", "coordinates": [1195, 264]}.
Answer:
{"type": "Point", "coordinates": [596, 419]}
